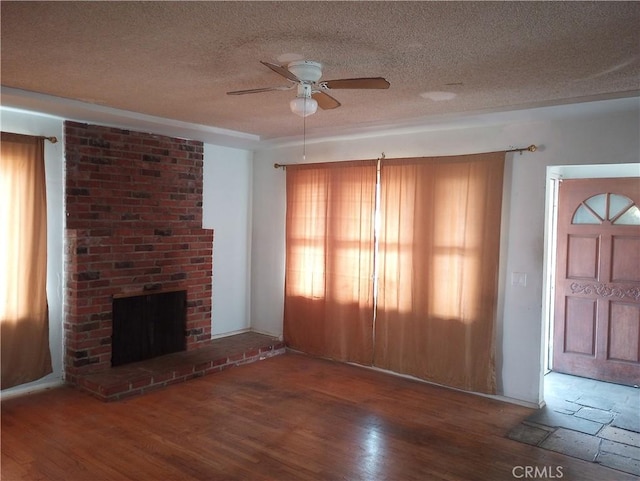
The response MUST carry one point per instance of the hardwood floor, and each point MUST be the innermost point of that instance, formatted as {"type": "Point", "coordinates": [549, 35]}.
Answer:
{"type": "Point", "coordinates": [289, 417]}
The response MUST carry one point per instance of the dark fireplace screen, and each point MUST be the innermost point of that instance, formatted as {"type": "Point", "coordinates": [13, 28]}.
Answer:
{"type": "Point", "coordinates": [147, 326]}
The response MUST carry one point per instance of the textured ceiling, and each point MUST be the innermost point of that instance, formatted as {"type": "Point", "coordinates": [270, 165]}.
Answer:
{"type": "Point", "coordinates": [177, 60]}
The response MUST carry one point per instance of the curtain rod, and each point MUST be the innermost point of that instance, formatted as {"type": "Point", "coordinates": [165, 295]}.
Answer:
{"type": "Point", "coordinates": [51, 139]}
{"type": "Point", "coordinates": [531, 148]}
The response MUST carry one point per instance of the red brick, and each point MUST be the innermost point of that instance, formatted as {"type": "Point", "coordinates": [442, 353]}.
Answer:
{"type": "Point", "coordinates": [160, 378]}
{"type": "Point", "coordinates": [142, 382]}
{"type": "Point", "coordinates": [115, 389]}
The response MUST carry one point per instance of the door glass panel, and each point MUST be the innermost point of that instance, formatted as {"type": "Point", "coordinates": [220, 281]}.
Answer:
{"type": "Point", "coordinates": [618, 203]}
{"type": "Point", "coordinates": [630, 217]}
{"type": "Point", "coordinates": [599, 204]}
{"type": "Point", "coordinates": [584, 216]}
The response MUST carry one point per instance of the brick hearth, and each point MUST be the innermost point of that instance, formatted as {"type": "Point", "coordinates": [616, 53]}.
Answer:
{"type": "Point", "coordinates": [142, 377]}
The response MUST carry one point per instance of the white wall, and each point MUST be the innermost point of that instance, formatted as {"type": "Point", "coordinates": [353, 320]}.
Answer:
{"type": "Point", "coordinates": [30, 124]}
{"type": "Point", "coordinates": [594, 133]}
{"type": "Point", "coordinates": [227, 210]}
{"type": "Point", "coordinates": [267, 241]}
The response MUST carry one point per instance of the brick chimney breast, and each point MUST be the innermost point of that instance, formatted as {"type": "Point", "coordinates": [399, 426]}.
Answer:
{"type": "Point", "coordinates": [133, 225]}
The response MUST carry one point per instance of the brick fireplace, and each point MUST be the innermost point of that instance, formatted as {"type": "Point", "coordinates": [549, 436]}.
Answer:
{"type": "Point", "coordinates": [133, 226]}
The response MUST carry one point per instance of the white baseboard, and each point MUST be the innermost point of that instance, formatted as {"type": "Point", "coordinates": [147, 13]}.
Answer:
{"type": "Point", "coordinates": [519, 402]}
{"type": "Point", "coordinates": [24, 391]}
{"type": "Point", "coordinates": [231, 333]}
{"type": "Point", "coordinates": [497, 397]}
{"type": "Point", "coordinates": [270, 334]}
{"type": "Point", "coordinates": [248, 329]}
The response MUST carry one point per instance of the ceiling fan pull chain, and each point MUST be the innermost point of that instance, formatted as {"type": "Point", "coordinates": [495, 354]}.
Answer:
{"type": "Point", "coordinates": [304, 133]}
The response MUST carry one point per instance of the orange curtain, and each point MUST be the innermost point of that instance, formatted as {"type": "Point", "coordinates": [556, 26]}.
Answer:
{"type": "Point", "coordinates": [438, 257]}
{"type": "Point", "coordinates": [329, 259]}
{"type": "Point", "coordinates": [23, 256]}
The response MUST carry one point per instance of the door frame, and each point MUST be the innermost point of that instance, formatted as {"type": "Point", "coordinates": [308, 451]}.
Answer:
{"type": "Point", "coordinates": [555, 175]}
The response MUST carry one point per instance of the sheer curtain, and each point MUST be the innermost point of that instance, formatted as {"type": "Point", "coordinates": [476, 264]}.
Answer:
{"type": "Point", "coordinates": [23, 257]}
{"type": "Point", "coordinates": [438, 275]}
{"type": "Point", "coordinates": [329, 259]}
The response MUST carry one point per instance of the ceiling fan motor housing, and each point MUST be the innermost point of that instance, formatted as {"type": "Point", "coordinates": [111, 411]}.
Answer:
{"type": "Point", "coordinates": [306, 70]}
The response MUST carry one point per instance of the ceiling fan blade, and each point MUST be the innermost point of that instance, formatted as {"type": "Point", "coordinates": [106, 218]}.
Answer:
{"type": "Point", "coordinates": [256, 91]}
{"type": "Point", "coordinates": [357, 83]}
{"type": "Point", "coordinates": [325, 101]}
{"type": "Point", "coordinates": [281, 70]}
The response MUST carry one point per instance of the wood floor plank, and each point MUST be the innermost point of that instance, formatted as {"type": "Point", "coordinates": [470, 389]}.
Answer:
{"type": "Point", "coordinates": [290, 417]}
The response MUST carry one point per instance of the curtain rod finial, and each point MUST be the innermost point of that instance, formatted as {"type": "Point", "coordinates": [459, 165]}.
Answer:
{"type": "Point", "coordinates": [531, 148]}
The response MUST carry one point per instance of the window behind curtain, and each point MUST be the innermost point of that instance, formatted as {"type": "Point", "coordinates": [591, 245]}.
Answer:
{"type": "Point", "coordinates": [329, 262]}
{"type": "Point", "coordinates": [437, 262]}
{"type": "Point", "coordinates": [23, 257]}
{"type": "Point", "coordinates": [439, 246]}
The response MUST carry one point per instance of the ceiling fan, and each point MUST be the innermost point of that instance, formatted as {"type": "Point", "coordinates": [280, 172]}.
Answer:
{"type": "Point", "coordinates": [311, 92]}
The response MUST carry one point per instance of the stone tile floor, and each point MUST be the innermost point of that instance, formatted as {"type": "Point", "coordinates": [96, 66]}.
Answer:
{"type": "Point", "coordinates": [587, 419]}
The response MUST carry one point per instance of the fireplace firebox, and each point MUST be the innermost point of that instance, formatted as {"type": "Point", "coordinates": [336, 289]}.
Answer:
{"type": "Point", "coordinates": [147, 326]}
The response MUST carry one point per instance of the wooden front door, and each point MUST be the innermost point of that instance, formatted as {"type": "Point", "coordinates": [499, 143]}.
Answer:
{"type": "Point", "coordinates": [597, 301]}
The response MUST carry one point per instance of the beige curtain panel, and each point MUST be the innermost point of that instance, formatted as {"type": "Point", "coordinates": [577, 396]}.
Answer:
{"type": "Point", "coordinates": [438, 269]}
{"type": "Point", "coordinates": [23, 254]}
{"type": "Point", "coordinates": [329, 259]}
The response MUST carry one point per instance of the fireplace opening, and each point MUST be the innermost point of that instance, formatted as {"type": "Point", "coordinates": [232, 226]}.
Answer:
{"type": "Point", "coordinates": [147, 326]}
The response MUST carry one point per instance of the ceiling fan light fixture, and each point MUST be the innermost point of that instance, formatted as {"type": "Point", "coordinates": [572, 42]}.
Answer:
{"type": "Point", "coordinates": [303, 106]}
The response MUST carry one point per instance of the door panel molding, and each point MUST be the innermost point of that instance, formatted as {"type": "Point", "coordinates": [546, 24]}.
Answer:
{"type": "Point", "coordinates": [580, 326]}
{"type": "Point", "coordinates": [625, 268]}
{"type": "Point", "coordinates": [583, 253]}
{"type": "Point", "coordinates": [624, 332]}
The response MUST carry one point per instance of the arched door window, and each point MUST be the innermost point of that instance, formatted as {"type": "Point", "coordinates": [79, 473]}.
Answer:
{"type": "Point", "coordinates": [614, 208]}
